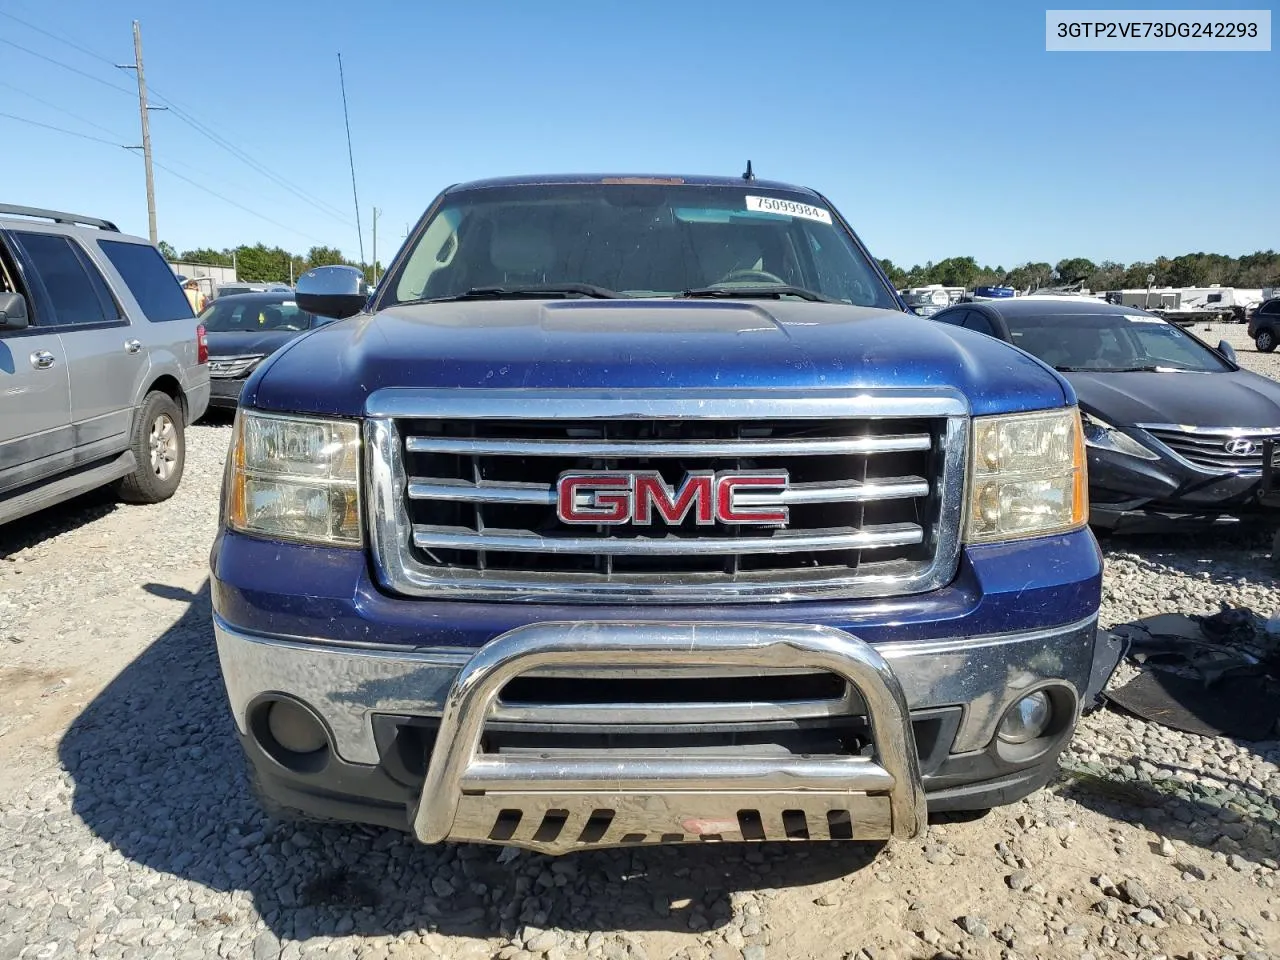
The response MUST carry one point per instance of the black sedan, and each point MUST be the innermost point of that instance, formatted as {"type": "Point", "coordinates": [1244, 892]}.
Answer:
{"type": "Point", "coordinates": [1176, 430]}
{"type": "Point", "coordinates": [244, 329]}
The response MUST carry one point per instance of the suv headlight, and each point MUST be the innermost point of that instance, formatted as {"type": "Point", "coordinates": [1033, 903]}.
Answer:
{"type": "Point", "coordinates": [1103, 436]}
{"type": "Point", "coordinates": [296, 478]}
{"type": "Point", "coordinates": [1028, 476]}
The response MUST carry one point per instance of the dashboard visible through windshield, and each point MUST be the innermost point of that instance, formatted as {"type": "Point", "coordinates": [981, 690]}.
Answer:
{"type": "Point", "coordinates": [1112, 343]}
{"type": "Point", "coordinates": [651, 240]}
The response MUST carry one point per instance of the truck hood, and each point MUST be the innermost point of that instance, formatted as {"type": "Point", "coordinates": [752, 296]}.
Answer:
{"type": "Point", "coordinates": [661, 344]}
{"type": "Point", "coordinates": [1228, 399]}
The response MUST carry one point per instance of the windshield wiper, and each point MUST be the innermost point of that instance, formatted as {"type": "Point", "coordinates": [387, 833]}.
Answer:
{"type": "Point", "coordinates": [533, 290]}
{"type": "Point", "coordinates": [1149, 368]}
{"type": "Point", "coordinates": [777, 290]}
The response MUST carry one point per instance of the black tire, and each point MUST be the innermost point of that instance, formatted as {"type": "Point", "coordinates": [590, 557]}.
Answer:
{"type": "Point", "coordinates": [1265, 340]}
{"type": "Point", "coordinates": [160, 447]}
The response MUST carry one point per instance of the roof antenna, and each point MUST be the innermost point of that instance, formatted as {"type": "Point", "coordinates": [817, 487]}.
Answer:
{"type": "Point", "coordinates": [748, 175]}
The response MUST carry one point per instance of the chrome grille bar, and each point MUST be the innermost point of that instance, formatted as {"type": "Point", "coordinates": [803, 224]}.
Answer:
{"type": "Point", "coordinates": [537, 494]}
{"type": "Point", "coordinates": [1193, 440]}
{"type": "Point", "coordinates": [783, 541]}
{"type": "Point", "coordinates": [617, 449]}
{"type": "Point", "coordinates": [1205, 446]}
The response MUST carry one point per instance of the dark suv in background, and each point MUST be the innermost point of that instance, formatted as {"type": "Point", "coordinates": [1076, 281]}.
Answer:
{"type": "Point", "coordinates": [1264, 325]}
{"type": "Point", "coordinates": [245, 329]}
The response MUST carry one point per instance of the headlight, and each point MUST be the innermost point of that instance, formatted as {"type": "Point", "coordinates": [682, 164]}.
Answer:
{"type": "Point", "coordinates": [1027, 476]}
{"type": "Point", "coordinates": [1103, 436]}
{"type": "Point", "coordinates": [232, 368]}
{"type": "Point", "coordinates": [295, 477]}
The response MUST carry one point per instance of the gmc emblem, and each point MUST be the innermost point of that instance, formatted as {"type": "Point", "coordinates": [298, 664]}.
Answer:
{"type": "Point", "coordinates": [615, 497]}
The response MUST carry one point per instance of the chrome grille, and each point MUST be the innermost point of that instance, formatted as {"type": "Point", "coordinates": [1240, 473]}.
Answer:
{"type": "Point", "coordinates": [464, 506]}
{"type": "Point", "coordinates": [1208, 446]}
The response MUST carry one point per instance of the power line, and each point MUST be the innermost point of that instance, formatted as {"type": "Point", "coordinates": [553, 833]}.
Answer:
{"type": "Point", "coordinates": [181, 113]}
{"type": "Point", "coordinates": [178, 111]}
{"type": "Point", "coordinates": [53, 36]}
{"type": "Point", "coordinates": [172, 172]}
{"type": "Point", "coordinates": [239, 206]}
{"type": "Point", "coordinates": [66, 66]}
{"type": "Point", "coordinates": [58, 109]}
{"type": "Point", "coordinates": [70, 133]}
{"type": "Point", "coordinates": [75, 116]}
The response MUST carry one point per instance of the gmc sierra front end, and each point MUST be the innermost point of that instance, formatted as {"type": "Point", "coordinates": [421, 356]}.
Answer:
{"type": "Point", "coordinates": [639, 510]}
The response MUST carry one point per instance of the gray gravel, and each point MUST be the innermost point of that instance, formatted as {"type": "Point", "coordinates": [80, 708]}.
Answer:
{"type": "Point", "coordinates": [135, 835]}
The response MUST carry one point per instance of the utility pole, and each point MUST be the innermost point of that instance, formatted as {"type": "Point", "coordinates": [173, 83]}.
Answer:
{"type": "Point", "coordinates": [144, 109]}
{"type": "Point", "coordinates": [376, 214]}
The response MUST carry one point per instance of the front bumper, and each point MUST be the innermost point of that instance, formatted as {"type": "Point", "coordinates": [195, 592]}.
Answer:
{"type": "Point", "coordinates": [225, 392]}
{"type": "Point", "coordinates": [410, 732]}
{"type": "Point", "coordinates": [1133, 495]}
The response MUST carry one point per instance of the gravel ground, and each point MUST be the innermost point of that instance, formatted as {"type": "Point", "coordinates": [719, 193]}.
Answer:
{"type": "Point", "coordinates": [126, 829]}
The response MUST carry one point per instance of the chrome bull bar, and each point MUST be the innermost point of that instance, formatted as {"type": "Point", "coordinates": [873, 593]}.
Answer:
{"type": "Point", "coordinates": [556, 803]}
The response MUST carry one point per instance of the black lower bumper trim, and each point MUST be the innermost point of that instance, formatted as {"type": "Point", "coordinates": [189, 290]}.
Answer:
{"type": "Point", "coordinates": [358, 793]}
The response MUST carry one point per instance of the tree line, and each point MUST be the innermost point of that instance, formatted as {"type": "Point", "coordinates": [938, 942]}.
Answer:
{"type": "Point", "coordinates": [1255, 270]}
{"type": "Point", "coordinates": [265, 264]}
{"type": "Point", "coordinates": [1262, 269]}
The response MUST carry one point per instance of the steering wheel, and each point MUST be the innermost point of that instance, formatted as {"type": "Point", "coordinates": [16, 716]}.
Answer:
{"type": "Point", "coordinates": [748, 275]}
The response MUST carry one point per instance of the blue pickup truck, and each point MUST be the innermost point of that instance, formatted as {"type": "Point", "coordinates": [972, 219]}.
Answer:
{"type": "Point", "coordinates": [638, 509]}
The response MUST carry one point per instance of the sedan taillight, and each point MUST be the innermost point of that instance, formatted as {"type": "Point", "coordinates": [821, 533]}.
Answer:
{"type": "Point", "coordinates": [202, 345]}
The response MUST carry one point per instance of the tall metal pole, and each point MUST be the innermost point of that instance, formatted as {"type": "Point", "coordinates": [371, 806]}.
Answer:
{"type": "Point", "coordinates": [351, 159]}
{"type": "Point", "coordinates": [146, 131]}
{"type": "Point", "coordinates": [376, 213]}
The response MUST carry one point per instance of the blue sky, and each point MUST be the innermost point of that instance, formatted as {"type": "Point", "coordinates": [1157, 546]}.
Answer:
{"type": "Point", "coordinates": [938, 129]}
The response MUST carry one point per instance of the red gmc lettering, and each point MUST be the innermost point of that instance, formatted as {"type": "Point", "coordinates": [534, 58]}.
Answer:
{"type": "Point", "coordinates": [615, 498]}
{"type": "Point", "coordinates": [726, 505]}
{"type": "Point", "coordinates": [672, 506]}
{"type": "Point", "coordinates": [608, 498]}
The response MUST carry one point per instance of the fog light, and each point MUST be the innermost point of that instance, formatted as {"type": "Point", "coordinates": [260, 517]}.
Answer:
{"type": "Point", "coordinates": [1027, 719]}
{"type": "Point", "coordinates": [294, 728]}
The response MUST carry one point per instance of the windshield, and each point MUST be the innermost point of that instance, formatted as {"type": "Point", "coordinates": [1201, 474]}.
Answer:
{"type": "Point", "coordinates": [1111, 342]}
{"type": "Point", "coordinates": [635, 241]}
{"type": "Point", "coordinates": [255, 316]}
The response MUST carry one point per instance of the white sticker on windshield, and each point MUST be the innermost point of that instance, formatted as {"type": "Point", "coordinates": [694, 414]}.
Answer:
{"type": "Point", "coordinates": [1138, 318]}
{"type": "Point", "coordinates": [788, 208]}
{"type": "Point", "coordinates": [288, 303]}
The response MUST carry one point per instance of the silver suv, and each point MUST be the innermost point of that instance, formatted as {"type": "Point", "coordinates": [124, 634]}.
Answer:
{"type": "Point", "coordinates": [102, 363]}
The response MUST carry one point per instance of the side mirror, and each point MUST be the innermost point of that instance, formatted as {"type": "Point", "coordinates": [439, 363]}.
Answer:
{"type": "Point", "coordinates": [338, 291]}
{"type": "Point", "coordinates": [13, 311]}
{"type": "Point", "coordinates": [1227, 351]}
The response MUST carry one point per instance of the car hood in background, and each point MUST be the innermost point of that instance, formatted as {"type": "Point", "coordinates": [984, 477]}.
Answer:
{"type": "Point", "coordinates": [244, 343]}
{"type": "Point", "coordinates": [1235, 399]}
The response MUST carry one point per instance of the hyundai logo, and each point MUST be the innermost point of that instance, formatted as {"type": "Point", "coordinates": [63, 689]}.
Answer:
{"type": "Point", "coordinates": [1240, 447]}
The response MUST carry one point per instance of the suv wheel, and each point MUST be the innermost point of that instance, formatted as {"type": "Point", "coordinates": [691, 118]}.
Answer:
{"type": "Point", "coordinates": [159, 447]}
{"type": "Point", "coordinates": [1265, 340]}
